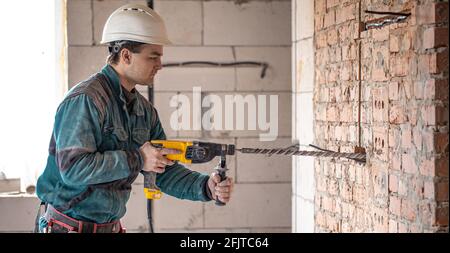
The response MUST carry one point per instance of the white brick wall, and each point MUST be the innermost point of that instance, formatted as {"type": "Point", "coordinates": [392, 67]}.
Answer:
{"type": "Point", "coordinates": [79, 17]}
{"type": "Point", "coordinates": [161, 103]}
{"type": "Point", "coordinates": [304, 112]}
{"type": "Point", "coordinates": [262, 168]}
{"type": "Point", "coordinates": [284, 116]}
{"type": "Point", "coordinates": [303, 184]}
{"type": "Point", "coordinates": [183, 20]}
{"type": "Point", "coordinates": [184, 79]}
{"type": "Point", "coordinates": [102, 10]}
{"type": "Point", "coordinates": [222, 42]}
{"type": "Point", "coordinates": [221, 31]}
{"type": "Point", "coordinates": [253, 205]}
{"type": "Point", "coordinates": [18, 213]}
{"type": "Point", "coordinates": [85, 61]}
{"type": "Point", "coordinates": [304, 26]}
{"type": "Point", "coordinates": [135, 219]}
{"type": "Point", "coordinates": [305, 65]}
{"type": "Point", "coordinates": [277, 75]}
{"type": "Point", "coordinates": [172, 213]}
{"type": "Point", "coordinates": [259, 23]}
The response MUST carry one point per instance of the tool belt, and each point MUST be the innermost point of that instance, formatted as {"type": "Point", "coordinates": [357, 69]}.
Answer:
{"type": "Point", "coordinates": [61, 223]}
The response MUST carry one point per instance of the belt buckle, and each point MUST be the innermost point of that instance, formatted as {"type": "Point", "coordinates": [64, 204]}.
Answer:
{"type": "Point", "coordinates": [47, 230]}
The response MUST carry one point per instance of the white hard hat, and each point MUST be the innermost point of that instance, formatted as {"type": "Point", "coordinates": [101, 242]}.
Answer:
{"type": "Point", "coordinates": [135, 22]}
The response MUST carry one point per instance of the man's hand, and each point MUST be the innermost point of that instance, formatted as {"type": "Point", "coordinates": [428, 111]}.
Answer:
{"type": "Point", "coordinates": [220, 190]}
{"type": "Point", "coordinates": [154, 159]}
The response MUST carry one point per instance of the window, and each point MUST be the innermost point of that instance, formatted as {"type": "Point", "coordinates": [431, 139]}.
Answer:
{"type": "Point", "coordinates": [29, 89]}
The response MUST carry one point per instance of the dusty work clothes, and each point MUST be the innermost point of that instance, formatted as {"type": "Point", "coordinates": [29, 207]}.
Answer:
{"type": "Point", "coordinates": [94, 152]}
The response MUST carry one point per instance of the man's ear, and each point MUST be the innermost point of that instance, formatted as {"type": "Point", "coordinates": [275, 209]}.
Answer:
{"type": "Point", "coordinates": [125, 56]}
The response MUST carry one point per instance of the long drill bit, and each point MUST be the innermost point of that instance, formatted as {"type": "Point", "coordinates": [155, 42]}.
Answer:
{"type": "Point", "coordinates": [293, 150]}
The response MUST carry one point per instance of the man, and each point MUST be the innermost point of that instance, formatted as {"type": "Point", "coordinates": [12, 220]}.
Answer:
{"type": "Point", "coordinates": [101, 132]}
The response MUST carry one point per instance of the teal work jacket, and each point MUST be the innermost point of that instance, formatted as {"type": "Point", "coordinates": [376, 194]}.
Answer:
{"type": "Point", "coordinates": [94, 152]}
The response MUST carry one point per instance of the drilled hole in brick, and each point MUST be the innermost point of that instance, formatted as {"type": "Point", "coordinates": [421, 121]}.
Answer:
{"type": "Point", "coordinates": [382, 143]}
{"type": "Point", "coordinates": [382, 104]}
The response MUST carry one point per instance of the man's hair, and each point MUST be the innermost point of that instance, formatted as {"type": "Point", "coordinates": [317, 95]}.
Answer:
{"type": "Point", "coordinates": [116, 47]}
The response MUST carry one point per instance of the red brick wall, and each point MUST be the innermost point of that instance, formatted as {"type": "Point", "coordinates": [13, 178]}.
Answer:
{"type": "Point", "coordinates": [404, 117]}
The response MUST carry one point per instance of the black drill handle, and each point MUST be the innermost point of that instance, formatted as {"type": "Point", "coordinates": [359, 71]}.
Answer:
{"type": "Point", "coordinates": [223, 176]}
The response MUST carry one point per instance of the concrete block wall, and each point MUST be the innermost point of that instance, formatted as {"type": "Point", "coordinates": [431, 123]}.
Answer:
{"type": "Point", "coordinates": [303, 184]}
{"type": "Point", "coordinates": [404, 115]}
{"type": "Point", "coordinates": [18, 213]}
{"type": "Point", "coordinates": [207, 30]}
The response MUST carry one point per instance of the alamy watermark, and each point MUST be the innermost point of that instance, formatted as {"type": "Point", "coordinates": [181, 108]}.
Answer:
{"type": "Point", "coordinates": [207, 113]}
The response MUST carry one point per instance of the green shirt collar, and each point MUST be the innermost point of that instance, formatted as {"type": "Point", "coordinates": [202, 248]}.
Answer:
{"type": "Point", "coordinates": [117, 88]}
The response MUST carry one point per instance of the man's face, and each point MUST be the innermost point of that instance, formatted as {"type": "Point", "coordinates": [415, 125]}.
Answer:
{"type": "Point", "coordinates": [145, 64]}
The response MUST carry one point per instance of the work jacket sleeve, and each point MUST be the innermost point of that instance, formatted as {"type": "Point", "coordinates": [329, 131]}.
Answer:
{"type": "Point", "coordinates": [177, 180]}
{"type": "Point", "coordinates": [77, 132]}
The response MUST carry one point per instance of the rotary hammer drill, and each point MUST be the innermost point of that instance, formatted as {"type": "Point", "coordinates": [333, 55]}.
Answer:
{"type": "Point", "coordinates": [191, 152]}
